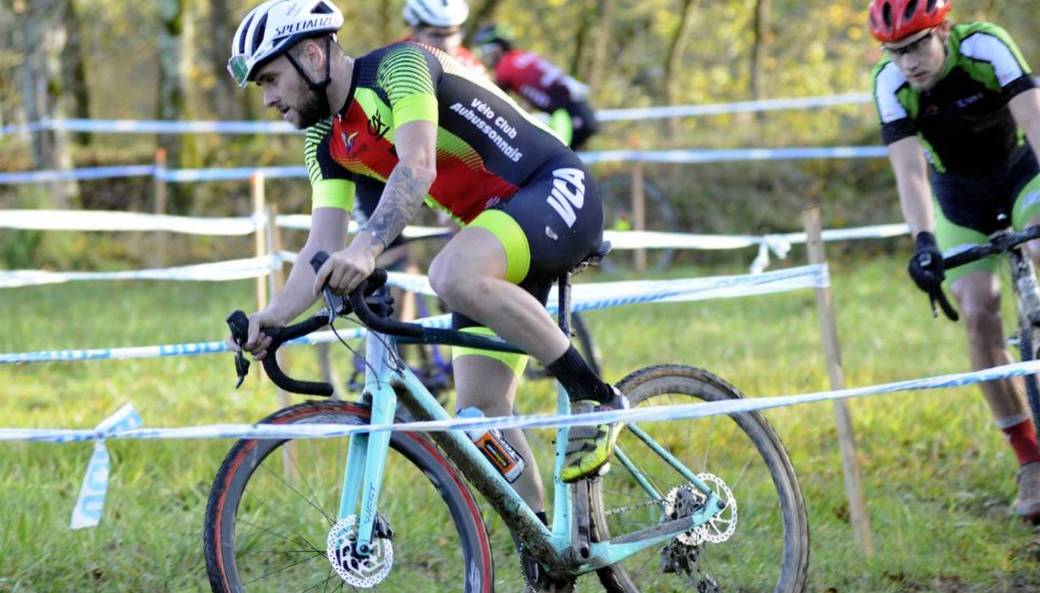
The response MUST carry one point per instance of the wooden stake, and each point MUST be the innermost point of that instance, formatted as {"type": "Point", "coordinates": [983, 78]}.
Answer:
{"type": "Point", "coordinates": [639, 213]}
{"type": "Point", "coordinates": [832, 350]}
{"type": "Point", "coordinates": [159, 187]}
{"type": "Point", "coordinates": [261, 244]}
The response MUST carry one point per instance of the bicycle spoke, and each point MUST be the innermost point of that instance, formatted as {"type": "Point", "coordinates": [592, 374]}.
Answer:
{"type": "Point", "coordinates": [265, 575]}
{"type": "Point", "coordinates": [297, 539]}
{"type": "Point", "coordinates": [312, 503]}
{"type": "Point", "coordinates": [275, 527]}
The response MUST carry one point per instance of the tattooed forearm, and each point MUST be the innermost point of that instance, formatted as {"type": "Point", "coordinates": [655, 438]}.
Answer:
{"type": "Point", "coordinates": [401, 199]}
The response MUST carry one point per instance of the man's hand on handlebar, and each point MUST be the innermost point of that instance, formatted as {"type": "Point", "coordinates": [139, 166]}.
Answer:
{"type": "Point", "coordinates": [346, 269]}
{"type": "Point", "coordinates": [257, 342]}
{"type": "Point", "coordinates": [928, 271]}
{"type": "Point", "coordinates": [926, 265]}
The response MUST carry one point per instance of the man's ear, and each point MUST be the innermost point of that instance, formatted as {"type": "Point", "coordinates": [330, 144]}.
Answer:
{"type": "Point", "coordinates": [944, 29]}
{"type": "Point", "coordinates": [314, 55]}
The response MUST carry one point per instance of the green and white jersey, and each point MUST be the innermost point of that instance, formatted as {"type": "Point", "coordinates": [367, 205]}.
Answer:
{"type": "Point", "coordinates": [964, 120]}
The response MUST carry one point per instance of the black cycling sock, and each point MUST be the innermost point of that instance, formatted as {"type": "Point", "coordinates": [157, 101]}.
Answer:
{"type": "Point", "coordinates": [578, 379]}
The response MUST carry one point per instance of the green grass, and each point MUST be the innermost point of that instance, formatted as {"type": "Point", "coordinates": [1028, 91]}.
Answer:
{"type": "Point", "coordinates": [937, 475]}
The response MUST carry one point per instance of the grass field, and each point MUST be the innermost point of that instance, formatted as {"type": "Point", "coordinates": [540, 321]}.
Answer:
{"type": "Point", "coordinates": [938, 477]}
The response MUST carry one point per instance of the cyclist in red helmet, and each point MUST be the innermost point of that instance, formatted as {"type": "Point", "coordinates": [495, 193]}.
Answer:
{"type": "Point", "coordinates": [962, 96]}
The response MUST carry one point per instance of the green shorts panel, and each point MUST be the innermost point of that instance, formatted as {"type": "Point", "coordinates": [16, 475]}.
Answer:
{"type": "Point", "coordinates": [513, 239]}
{"type": "Point", "coordinates": [1027, 204]}
{"type": "Point", "coordinates": [954, 237]}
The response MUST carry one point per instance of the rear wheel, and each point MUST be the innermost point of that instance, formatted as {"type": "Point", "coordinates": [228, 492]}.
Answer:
{"type": "Point", "coordinates": [269, 514]}
{"type": "Point", "coordinates": [759, 544]}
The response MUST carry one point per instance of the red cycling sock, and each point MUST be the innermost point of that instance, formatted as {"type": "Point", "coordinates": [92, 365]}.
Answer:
{"type": "Point", "coordinates": [1022, 437]}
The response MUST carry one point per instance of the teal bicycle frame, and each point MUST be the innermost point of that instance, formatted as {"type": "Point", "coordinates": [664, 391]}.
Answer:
{"type": "Point", "coordinates": [565, 549]}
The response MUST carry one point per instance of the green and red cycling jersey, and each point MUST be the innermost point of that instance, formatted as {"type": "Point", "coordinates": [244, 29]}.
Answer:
{"type": "Point", "coordinates": [487, 146]}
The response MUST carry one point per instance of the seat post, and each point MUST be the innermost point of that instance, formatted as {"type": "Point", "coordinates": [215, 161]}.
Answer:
{"type": "Point", "coordinates": [563, 283]}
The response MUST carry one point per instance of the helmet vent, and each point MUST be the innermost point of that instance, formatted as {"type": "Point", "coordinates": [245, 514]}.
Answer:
{"type": "Point", "coordinates": [242, 39]}
{"type": "Point", "coordinates": [886, 13]}
{"type": "Point", "coordinates": [258, 35]}
{"type": "Point", "coordinates": [321, 8]}
{"type": "Point", "coordinates": [930, 6]}
{"type": "Point", "coordinates": [911, 7]}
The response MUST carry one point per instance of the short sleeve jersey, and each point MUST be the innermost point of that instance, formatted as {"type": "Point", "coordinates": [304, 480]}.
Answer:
{"type": "Point", "coordinates": [537, 80]}
{"type": "Point", "coordinates": [487, 146]}
{"type": "Point", "coordinates": [964, 120]}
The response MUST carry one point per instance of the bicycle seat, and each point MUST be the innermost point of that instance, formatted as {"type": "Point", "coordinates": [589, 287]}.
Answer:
{"type": "Point", "coordinates": [598, 252]}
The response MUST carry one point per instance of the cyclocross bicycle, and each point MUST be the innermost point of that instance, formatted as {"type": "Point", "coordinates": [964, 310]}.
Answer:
{"type": "Point", "coordinates": [705, 506]}
{"type": "Point", "coordinates": [1027, 296]}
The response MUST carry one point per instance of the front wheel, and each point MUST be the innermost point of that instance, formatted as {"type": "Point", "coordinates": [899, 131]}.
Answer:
{"type": "Point", "coordinates": [272, 506]}
{"type": "Point", "coordinates": [768, 550]}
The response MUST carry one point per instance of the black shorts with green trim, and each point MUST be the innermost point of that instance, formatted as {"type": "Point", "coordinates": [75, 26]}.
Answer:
{"type": "Point", "coordinates": [973, 206]}
{"type": "Point", "coordinates": [547, 227]}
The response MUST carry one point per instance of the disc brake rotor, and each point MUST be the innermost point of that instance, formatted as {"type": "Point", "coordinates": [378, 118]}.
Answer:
{"type": "Point", "coordinates": [358, 570]}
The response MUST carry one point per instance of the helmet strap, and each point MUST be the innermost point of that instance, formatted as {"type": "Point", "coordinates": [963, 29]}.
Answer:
{"type": "Point", "coordinates": [318, 87]}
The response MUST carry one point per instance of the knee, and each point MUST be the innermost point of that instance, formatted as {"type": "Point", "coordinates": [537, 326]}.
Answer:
{"type": "Point", "coordinates": [981, 315]}
{"type": "Point", "coordinates": [452, 282]}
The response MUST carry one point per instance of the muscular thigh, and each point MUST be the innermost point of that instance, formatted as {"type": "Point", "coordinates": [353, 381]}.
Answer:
{"type": "Point", "coordinates": [550, 225]}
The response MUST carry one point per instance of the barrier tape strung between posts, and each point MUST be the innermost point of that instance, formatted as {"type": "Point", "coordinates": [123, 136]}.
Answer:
{"type": "Point", "coordinates": [114, 220]}
{"type": "Point", "coordinates": [129, 126]}
{"type": "Point", "coordinates": [94, 220]}
{"type": "Point", "coordinates": [125, 424]}
{"type": "Point", "coordinates": [238, 269]}
{"type": "Point", "coordinates": [590, 158]}
{"type": "Point", "coordinates": [586, 297]}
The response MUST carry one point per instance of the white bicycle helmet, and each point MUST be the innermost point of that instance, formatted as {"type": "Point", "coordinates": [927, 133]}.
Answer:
{"type": "Point", "coordinates": [436, 13]}
{"type": "Point", "coordinates": [273, 27]}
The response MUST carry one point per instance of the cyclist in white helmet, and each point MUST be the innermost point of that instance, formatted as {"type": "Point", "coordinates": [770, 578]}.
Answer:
{"type": "Point", "coordinates": [407, 124]}
{"type": "Point", "coordinates": [438, 23]}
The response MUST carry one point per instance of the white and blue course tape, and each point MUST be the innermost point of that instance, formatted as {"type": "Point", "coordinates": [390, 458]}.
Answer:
{"type": "Point", "coordinates": [585, 297]}
{"type": "Point", "coordinates": [90, 503]}
{"type": "Point", "coordinates": [125, 424]}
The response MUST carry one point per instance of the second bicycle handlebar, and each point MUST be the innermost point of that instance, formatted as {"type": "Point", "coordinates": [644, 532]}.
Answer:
{"type": "Point", "coordinates": [1000, 242]}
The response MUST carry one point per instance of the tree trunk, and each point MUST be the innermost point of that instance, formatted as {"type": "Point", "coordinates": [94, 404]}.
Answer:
{"type": "Point", "coordinates": [760, 48]}
{"type": "Point", "coordinates": [388, 16]}
{"type": "Point", "coordinates": [676, 48]}
{"type": "Point", "coordinates": [43, 41]}
{"type": "Point", "coordinates": [174, 47]}
{"type": "Point", "coordinates": [74, 69]}
{"type": "Point", "coordinates": [478, 17]}
{"type": "Point", "coordinates": [222, 94]}
{"type": "Point", "coordinates": [603, 37]}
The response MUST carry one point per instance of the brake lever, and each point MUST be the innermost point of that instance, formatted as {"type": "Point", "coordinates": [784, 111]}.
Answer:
{"type": "Point", "coordinates": [937, 296]}
{"type": "Point", "coordinates": [239, 324]}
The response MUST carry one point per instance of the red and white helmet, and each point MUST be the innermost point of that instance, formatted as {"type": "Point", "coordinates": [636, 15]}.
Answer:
{"type": "Point", "coordinates": [892, 20]}
{"type": "Point", "coordinates": [273, 27]}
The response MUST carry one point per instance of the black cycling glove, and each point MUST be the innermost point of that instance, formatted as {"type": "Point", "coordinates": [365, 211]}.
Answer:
{"type": "Point", "coordinates": [926, 265]}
